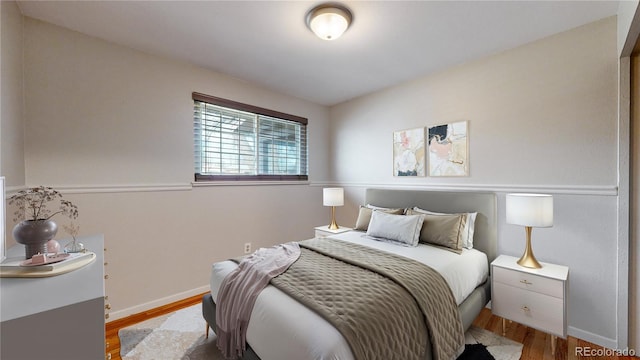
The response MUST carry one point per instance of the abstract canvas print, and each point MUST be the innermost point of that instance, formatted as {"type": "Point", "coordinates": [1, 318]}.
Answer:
{"type": "Point", "coordinates": [408, 152]}
{"type": "Point", "coordinates": [448, 149]}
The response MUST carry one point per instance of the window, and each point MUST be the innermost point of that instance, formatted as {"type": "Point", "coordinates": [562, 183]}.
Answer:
{"type": "Point", "coordinates": [235, 141]}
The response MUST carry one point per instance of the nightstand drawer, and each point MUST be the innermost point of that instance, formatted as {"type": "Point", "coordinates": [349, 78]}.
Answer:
{"type": "Point", "coordinates": [538, 284]}
{"type": "Point", "coordinates": [536, 310]}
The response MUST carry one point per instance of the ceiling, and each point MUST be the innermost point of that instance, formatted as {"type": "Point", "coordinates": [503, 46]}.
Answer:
{"type": "Point", "coordinates": [268, 44]}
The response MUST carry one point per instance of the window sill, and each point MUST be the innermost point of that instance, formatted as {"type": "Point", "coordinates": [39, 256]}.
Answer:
{"type": "Point", "coordinates": [249, 183]}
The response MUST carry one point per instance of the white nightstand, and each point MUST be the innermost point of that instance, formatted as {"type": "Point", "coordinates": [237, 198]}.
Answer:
{"type": "Point", "coordinates": [324, 231]}
{"type": "Point", "coordinates": [533, 297]}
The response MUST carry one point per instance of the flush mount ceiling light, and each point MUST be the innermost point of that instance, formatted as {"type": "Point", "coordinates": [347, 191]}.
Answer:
{"type": "Point", "coordinates": [329, 21]}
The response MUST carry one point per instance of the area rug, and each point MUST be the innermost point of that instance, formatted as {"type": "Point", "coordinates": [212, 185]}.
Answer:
{"type": "Point", "coordinates": [180, 336]}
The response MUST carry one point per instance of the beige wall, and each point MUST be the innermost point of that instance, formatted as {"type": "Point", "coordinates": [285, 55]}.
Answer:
{"type": "Point", "coordinates": [542, 118]}
{"type": "Point", "coordinates": [113, 128]}
{"type": "Point", "coordinates": [11, 120]}
{"type": "Point", "coordinates": [544, 113]}
{"type": "Point", "coordinates": [128, 112]}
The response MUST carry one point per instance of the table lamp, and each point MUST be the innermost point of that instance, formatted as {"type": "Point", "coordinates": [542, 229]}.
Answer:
{"type": "Point", "coordinates": [333, 197]}
{"type": "Point", "coordinates": [529, 210]}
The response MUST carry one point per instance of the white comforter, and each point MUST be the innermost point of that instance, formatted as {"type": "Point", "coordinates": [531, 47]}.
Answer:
{"type": "Point", "coordinates": [281, 328]}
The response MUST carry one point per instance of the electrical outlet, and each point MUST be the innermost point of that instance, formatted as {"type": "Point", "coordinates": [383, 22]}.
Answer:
{"type": "Point", "coordinates": [247, 248]}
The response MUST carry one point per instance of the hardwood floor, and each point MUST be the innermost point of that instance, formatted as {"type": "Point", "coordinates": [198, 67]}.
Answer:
{"type": "Point", "coordinates": [536, 344]}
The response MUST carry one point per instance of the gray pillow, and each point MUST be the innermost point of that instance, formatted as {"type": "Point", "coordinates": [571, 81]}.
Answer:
{"type": "Point", "coordinates": [404, 229]}
{"type": "Point", "coordinates": [364, 215]}
{"type": "Point", "coordinates": [443, 230]}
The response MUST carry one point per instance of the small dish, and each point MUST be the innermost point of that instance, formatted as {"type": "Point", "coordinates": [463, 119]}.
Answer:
{"type": "Point", "coordinates": [51, 259]}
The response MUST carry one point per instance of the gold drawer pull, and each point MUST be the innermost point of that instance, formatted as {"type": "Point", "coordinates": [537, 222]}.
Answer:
{"type": "Point", "coordinates": [108, 306]}
{"type": "Point", "coordinates": [106, 277]}
{"type": "Point", "coordinates": [526, 282]}
{"type": "Point", "coordinates": [106, 316]}
{"type": "Point", "coordinates": [525, 309]}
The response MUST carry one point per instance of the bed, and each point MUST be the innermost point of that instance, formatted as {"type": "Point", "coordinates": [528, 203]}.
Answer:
{"type": "Point", "coordinates": [283, 328]}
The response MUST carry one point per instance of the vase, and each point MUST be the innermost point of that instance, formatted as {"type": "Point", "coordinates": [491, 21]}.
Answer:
{"type": "Point", "coordinates": [74, 246]}
{"type": "Point", "coordinates": [34, 234]}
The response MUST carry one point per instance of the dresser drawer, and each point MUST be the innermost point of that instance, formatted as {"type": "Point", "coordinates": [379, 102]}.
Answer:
{"type": "Point", "coordinates": [538, 284]}
{"type": "Point", "coordinates": [536, 310]}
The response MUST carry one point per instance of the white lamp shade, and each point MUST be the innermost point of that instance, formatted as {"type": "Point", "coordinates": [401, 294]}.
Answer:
{"type": "Point", "coordinates": [328, 22]}
{"type": "Point", "coordinates": [535, 210]}
{"type": "Point", "coordinates": [333, 196]}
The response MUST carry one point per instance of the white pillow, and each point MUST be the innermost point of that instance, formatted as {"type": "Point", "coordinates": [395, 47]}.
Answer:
{"type": "Point", "coordinates": [401, 228]}
{"type": "Point", "coordinates": [469, 227]}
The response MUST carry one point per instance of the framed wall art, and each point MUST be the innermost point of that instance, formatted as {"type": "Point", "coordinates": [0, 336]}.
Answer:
{"type": "Point", "coordinates": [448, 149]}
{"type": "Point", "coordinates": [408, 152]}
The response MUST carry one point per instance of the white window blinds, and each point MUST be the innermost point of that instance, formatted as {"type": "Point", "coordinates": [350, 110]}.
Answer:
{"type": "Point", "coordinates": [234, 141]}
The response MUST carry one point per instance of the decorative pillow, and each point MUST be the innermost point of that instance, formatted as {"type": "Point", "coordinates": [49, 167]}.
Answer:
{"type": "Point", "coordinates": [385, 208]}
{"type": "Point", "coordinates": [469, 227]}
{"type": "Point", "coordinates": [443, 230]}
{"type": "Point", "coordinates": [401, 228]}
{"type": "Point", "coordinates": [364, 216]}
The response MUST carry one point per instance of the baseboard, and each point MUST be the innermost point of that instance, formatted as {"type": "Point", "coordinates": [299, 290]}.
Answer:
{"type": "Point", "coordinates": [592, 338]}
{"type": "Point", "coordinates": [115, 315]}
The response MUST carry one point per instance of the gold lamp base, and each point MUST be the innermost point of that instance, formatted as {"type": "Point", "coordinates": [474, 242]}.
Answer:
{"type": "Point", "coordinates": [334, 225]}
{"type": "Point", "coordinates": [528, 259]}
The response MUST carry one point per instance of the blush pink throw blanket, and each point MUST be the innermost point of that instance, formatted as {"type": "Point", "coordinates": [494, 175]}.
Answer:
{"type": "Point", "coordinates": [239, 290]}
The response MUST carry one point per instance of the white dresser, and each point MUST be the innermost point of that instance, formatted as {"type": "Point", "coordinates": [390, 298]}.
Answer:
{"type": "Point", "coordinates": [533, 297]}
{"type": "Point", "coordinates": [58, 317]}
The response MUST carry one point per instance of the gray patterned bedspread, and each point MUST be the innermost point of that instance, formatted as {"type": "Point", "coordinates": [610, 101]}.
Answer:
{"type": "Point", "coordinates": [386, 306]}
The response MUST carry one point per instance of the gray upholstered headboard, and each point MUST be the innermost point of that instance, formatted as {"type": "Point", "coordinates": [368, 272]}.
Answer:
{"type": "Point", "coordinates": [485, 236]}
